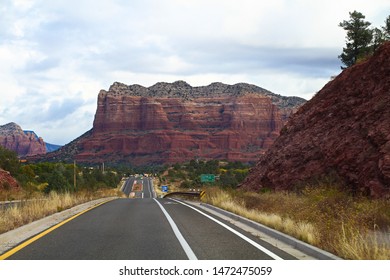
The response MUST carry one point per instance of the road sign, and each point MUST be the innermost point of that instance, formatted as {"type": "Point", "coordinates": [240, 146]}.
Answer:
{"type": "Point", "coordinates": [207, 178]}
{"type": "Point", "coordinates": [164, 188]}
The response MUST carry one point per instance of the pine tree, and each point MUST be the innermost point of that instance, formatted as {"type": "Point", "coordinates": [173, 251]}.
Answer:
{"type": "Point", "coordinates": [358, 39]}
{"type": "Point", "coordinates": [377, 39]}
{"type": "Point", "coordinates": [386, 28]}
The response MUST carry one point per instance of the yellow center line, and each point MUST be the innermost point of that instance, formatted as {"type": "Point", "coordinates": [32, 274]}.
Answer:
{"type": "Point", "coordinates": [38, 236]}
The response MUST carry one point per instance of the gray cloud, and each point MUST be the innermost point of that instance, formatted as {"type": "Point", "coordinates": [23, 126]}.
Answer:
{"type": "Point", "coordinates": [58, 110]}
{"type": "Point", "coordinates": [41, 66]}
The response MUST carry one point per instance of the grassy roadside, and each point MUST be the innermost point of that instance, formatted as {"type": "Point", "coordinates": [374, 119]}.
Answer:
{"type": "Point", "coordinates": [44, 205]}
{"type": "Point", "coordinates": [350, 227]}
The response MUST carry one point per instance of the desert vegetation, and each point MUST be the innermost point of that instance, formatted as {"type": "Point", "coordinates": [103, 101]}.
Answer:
{"type": "Point", "coordinates": [187, 175]}
{"type": "Point", "coordinates": [44, 205]}
{"type": "Point", "coordinates": [321, 212]}
{"type": "Point", "coordinates": [46, 177]}
{"type": "Point", "coordinates": [47, 188]}
{"type": "Point", "coordinates": [322, 215]}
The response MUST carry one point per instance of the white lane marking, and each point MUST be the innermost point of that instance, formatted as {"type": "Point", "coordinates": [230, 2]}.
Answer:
{"type": "Point", "coordinates": [151, 188]}
{"type": "Point", "coordinates": [187, 249]}
{"type": "Point", "coordinates": [148, 183]}
{"type": "Point", "coordinates": [146, 186]}
{"type": "Point", "coordinates": [253, 243]}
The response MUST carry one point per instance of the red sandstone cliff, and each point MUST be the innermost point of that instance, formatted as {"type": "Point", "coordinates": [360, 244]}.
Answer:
{"type": "Point", "coordinates": [175, 122]}
{"type": "Point", "coordinates": [343, 130]}
{"type": "Point", "coordinates": [23, 143]}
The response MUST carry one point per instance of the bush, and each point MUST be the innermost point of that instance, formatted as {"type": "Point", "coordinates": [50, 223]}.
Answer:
{"type": "Point", "coordinates": [9, 161]}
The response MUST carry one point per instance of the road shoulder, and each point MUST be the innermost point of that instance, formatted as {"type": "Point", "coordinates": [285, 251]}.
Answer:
{"type": "Point", "coordinates": [12, 238]}
{"type": "Point", "coordinates": [291, 245]}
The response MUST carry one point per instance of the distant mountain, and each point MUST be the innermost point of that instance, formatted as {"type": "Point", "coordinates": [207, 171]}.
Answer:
{"type": "Point", "coordinates": [23, 143]}
{"type": "Point", "coordinates": [175, 122]}
{"type": "Point", "coordinates": [52, 147]}
{"type": "Point", "coordinates": [342, 132]}
{"type": "Point", "coordinates": [49, 147]}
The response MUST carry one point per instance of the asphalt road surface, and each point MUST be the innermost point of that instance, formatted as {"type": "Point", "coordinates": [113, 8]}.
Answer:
{"type": "Point", "coordinates": [147, 228]}
{"type": "Point", "coordinates": [137, 187]}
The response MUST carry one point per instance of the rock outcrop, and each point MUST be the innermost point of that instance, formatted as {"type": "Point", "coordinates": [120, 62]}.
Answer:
{"type": "Point", "coordinates": [7, 182]}
{"type": "Point", "coordinates": [174, 122]}
{"type": "Point", "coordinates": [24, 143]}
{"type": "Point", "coordinates": [344, 130]}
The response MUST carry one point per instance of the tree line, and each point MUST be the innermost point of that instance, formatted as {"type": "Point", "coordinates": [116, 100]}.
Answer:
{"type": "Point", "coordinates": [48, 176]}
{"type": "Point", "coordinates": [229, 174]}
{"type": "Point", "coordinates": [361, 39]}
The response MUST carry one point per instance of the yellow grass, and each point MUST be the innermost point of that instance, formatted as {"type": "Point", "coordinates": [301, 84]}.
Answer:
{"type": "Point", "coordinates": [359, 246]}
{"type": "Point", "coordinates": [302, 230]}
{"type": "Point", "coordinates": [45, 205]}
{"type": "Point", "coordinates": [10, 195]}
{"type": "Point", "coordinates": [350, 227]}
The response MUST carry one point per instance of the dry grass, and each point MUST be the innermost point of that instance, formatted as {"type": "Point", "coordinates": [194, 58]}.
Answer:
{"type": "Point", "coordinates": [44, 205]}
{"type": "Point", "coordinates": [10, 195]}
{"type": "Point", "coordinates": [350, 227]}
{"type": "Point", "coordinates": [302, 230]}
{"type": "Point", "coordinates": [360, 246]}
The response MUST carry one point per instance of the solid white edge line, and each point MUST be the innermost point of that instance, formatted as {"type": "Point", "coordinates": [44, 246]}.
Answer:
{"type": "Point", "coordinates": [253, 243]}
{"type": "Point", "coordinates": [151, 188]}
{"type": "Point", "coordinates": [150, 192]}
{"type": "Point", "coordinates": [187, 249]}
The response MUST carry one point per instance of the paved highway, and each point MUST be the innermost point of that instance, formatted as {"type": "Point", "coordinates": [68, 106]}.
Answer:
{"type": "Point", "coordinates": [147, 228]}
{"type": "Point", "coordinates": [137, 187]}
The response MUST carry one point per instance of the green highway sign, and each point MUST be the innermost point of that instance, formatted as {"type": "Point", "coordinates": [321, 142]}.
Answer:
{"type": "Point", "coordinates": [207, 178]}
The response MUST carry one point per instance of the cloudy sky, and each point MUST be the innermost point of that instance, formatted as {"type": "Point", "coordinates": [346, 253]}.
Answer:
{"type": "Point", "coordinates": [55, 55]}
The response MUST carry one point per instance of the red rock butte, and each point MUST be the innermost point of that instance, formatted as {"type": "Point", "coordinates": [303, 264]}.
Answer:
{"type": "Point", "coordinates": [174, 122]}
{"type": "Point", "coordinates": [343, 131]}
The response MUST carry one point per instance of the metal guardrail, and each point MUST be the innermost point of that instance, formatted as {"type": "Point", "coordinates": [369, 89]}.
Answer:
{"type": "Point", "coordinates": [199, 194]}
{"type": "Point", "coordinates": [16, 203]}
{"type": "Point", "coordinates": [7, 204]}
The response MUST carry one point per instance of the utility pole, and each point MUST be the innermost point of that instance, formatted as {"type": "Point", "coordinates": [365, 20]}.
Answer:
{"type": "Point", "coordinates": [74, 175]}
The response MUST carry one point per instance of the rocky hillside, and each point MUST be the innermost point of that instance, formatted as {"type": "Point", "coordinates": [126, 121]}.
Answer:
{"type": "Point", "coordinates": [23, 143]}
{"type": "Point", "coordinates": [174, 122]}
{"type": "Point", "coordinates": [7, 182]}
{"type": "Point", "coordinates": [343, 131]}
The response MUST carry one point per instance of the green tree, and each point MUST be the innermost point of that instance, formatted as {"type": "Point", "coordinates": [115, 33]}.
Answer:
{"type": "Point", "coordinates": [186, 184]}
{"type": "Point", "coordinates": [358, 39]}
{"type": "Point", "coordinates": [9, 161]}
{"type": "Point", "coordinates": [386, 29]}
{"type": "Point", "coordinates": [57, 182]}
{"type": "Point", "coordinates": [228, 180]}
{"type": "Point", "coordinates": [378, 39]}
